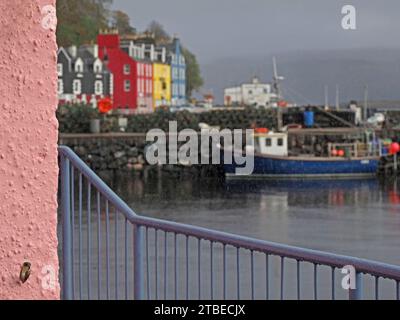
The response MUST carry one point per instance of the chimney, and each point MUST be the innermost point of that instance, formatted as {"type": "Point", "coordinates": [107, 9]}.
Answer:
{"type": "Point", "coordinates": [73, 51]}
{"type": "Point", "coordinates": [96, 51]}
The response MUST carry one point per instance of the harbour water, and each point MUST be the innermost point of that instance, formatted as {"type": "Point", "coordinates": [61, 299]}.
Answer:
{"type": "Point", "coordinates": [353, 217]}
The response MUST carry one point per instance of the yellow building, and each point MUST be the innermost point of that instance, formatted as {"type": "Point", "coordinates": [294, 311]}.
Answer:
{"type": "Point", "coordinates": [161, 84]}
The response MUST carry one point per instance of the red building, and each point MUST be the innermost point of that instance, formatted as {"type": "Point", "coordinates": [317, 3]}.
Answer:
{"type": "Point", "coordinates": [133, 79]}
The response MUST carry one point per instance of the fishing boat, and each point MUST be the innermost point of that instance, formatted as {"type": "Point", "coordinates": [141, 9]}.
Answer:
{"type": "Point", "coordinates": [273, 159]}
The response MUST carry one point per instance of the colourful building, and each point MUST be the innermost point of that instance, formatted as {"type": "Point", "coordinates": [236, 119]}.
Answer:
{"type": "Point", "coordinates": [123, 68]}
{"type": "Point", "coordinates": [178, 73]}
{"type": "Point", "coordinates": [144, 75]}
{"type": "Point", "coordinates": [161, 84]}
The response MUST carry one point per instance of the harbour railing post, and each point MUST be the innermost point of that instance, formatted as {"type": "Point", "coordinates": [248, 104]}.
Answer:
{"type": "Point", "coordinates": [357, 292]}
{"type": "Point", "coordinates": [138, 263]}
{"type": "Point", "coordinates": [66, 212]}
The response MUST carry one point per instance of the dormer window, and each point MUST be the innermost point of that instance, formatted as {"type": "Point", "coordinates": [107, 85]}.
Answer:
{"type": "Point", "coordinates": [79, 66]}
{"type": "Point", "coordinates": [60, 69]}
{"type": "Point", "coordinates": [97, 66]}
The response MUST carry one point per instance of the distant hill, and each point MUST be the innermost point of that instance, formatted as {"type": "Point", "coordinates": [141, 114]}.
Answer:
{"type": "Point", "coordinates": [307, 73]}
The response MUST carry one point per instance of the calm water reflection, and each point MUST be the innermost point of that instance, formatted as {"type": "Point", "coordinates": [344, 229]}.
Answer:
{"type": "Point", "coordinates": [360, 218]}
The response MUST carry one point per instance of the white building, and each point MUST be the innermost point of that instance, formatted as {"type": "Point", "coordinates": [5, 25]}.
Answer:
{"type": "Point", "coordinates": [253, 94]}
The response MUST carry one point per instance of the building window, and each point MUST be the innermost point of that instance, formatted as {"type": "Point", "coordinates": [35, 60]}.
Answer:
{"type": "Point", "coordinates": [77, 87]}
{"type": "Point", "coordinates": [127, 69]}
{"type": "Point", "coordinates": [268, 142]}
{"type": "Point", "coordinates": [111, 84]}
{"type": "Point", "coordinates": [280, 142]}
{"type": "Point", "coordinates": [163, 86]}
{"type": "Point", "coordinates": [60, 86]}
{"type": "Point", "coordinates": [98, 87]}
{"type": "Point", "coordinates": [127, 85]}
{"type": "Point", "coordinates": [60, 69]}
{"type": "Point", "coordinates": [79, 66]}
{"type": "Point", "coordinates": [97, 66]}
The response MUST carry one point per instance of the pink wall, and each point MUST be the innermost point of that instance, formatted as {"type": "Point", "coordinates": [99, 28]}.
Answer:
{"type": "Point", "coordinates": [28, 149]}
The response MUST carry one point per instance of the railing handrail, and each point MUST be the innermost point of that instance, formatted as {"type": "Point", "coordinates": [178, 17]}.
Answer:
{"type": "Point", "coordinates": [374, 268]}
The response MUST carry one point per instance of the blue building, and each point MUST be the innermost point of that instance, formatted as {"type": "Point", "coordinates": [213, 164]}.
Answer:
{"type": "Point", "coordinates": [178, 73]}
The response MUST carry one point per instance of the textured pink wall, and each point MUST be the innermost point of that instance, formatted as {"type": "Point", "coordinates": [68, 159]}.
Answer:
{"type": "Point", "coordinates": [28, 149]}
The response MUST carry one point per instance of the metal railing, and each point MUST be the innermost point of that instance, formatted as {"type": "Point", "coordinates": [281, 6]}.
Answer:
{"type": "Point", "coordinates": [110, 252]}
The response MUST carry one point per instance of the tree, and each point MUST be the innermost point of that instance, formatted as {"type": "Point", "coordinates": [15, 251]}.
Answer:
{"type": "Point", "coordinates": [121, 21]}
{"type": "Point", "coordinates": [193, 73]}
{"type": "Point", "coordinates": [80, 20]}
{"type": "Point", "coordinates": [157, 29]}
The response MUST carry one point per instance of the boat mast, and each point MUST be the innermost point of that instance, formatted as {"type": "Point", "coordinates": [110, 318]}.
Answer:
{"type": "Point", "coordinates": [277, 88]}
{"type": "Point", "coordinates": [326, 98]}
{"type": "Point", "coordinates": [365, 115]}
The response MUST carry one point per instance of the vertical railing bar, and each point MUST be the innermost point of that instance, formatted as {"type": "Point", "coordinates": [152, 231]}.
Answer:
{"type": "Point", "coordinates": [147, 264]}
{"type": "Point", "coordinates": [165, 265]}
{"type": "Point", "coordinates": [126, 261]}
{"type": "Point", "coordinates": [266, 276]}
{"type": "Point", "coordinates": [199, 265]}
{"type": "Point", "coordinates": [116, 256]}
{"type": "Point", "coordinates": [224, 270]}
{"type": "Point", "coordinates": [211, 270]}
{"type": "Point", "coordinates": [73, 230]}
{"type": "Point", "coordinates": [315, 281]}
{"type": "Point", "coordinates": [107, 249]}
{"type": "Point", "coordinates": [376, 288]}
{"type": "Point", "coordinates": [138, 269]}
{"type": "Point", "coordinates": [252, 273]}
{"type": "Point", "coordinates": [282, 277]}
{"type": "Point", "coordinates": [156, 261]}
{"type": "Point", "coordinates": [66, 210]}
{"type": "Point", "coordinates": [298, 280]}
{"type": "Point", "coordinates": [397, 290]}
{"type": "Point", "coordinates": [176, 266]}
{"type": "Point", "coordinates": [89, 238]}
{"type": "Point", "coordinates": [333, 284]}
{"type": "Point", "coordinates": [238, 272]}
{"type": "Point", "coordinates": [98, 246]}
{"type": "Point", "coordinates": [357, 292]}
{"type": "Point", "coordinates": [80, 239]}
{"type": "Point", "coordinates": [187, 267]}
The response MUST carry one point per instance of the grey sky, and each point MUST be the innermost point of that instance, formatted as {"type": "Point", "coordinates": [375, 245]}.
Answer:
{"type": "Point", "coordinates": [216, 29]}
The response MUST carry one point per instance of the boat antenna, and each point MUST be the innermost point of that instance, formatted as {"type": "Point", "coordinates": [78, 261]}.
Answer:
{"type": "Point", "coordinates": [337, 98]}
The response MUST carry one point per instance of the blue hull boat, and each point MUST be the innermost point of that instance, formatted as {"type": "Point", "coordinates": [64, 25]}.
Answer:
{"type": "Point", "coordinates": [303, 167]}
